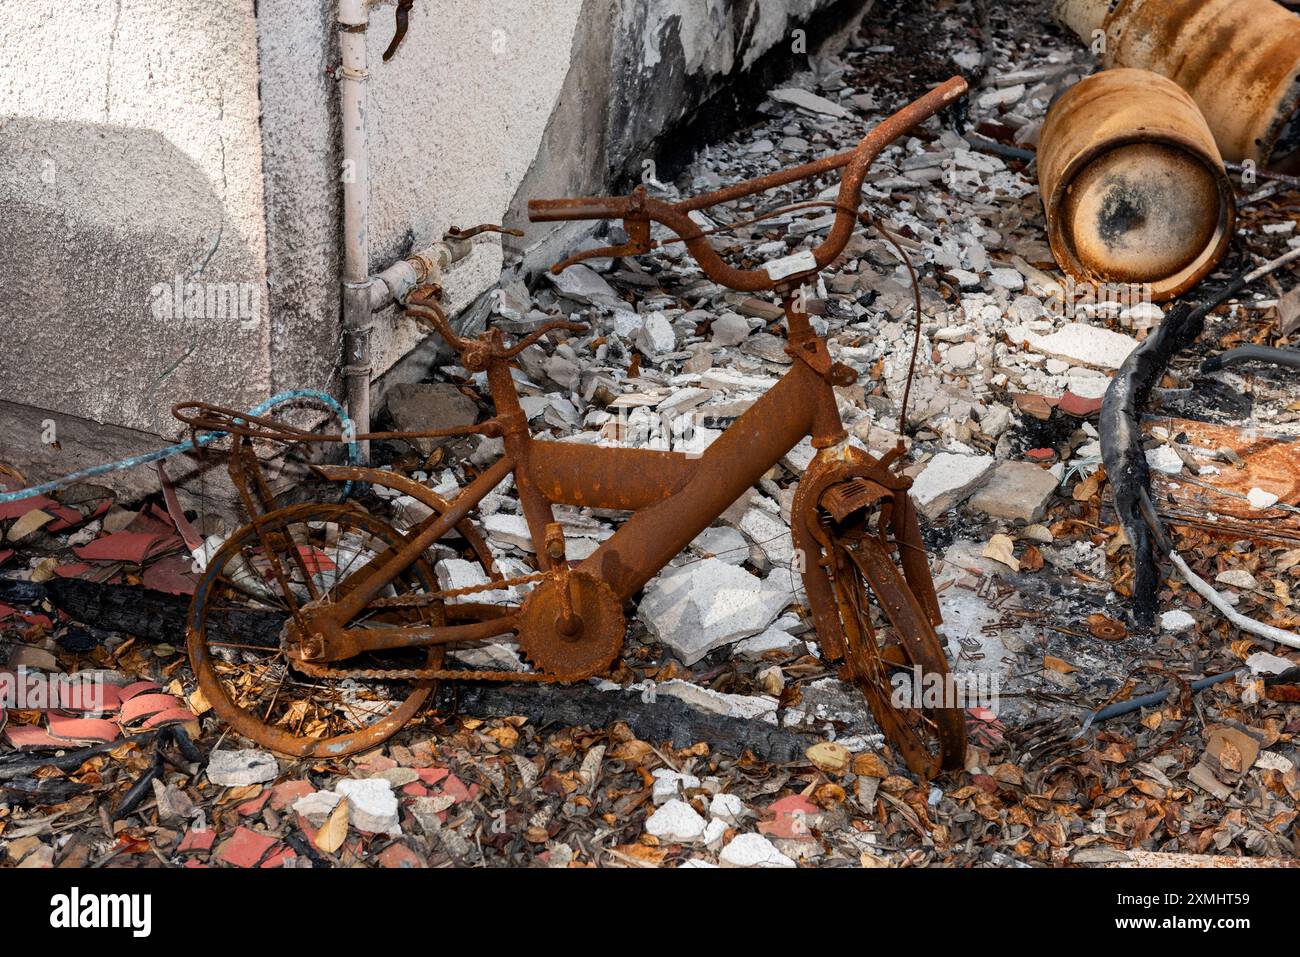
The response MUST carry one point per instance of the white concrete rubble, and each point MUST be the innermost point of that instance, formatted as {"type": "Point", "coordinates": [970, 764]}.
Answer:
{"type": "Point", "coordinates": [317, 806]}
{"type": "Point", "coordinates": [372, 806]}
{"type": "Point", "coordinates": [676, 822]}
{"type": "Point", "coordinates": [697, 607]}
{"type": "Point", "coordinates": [947, 480]}
{"type": "Point", "coordinates": [1176, 621]}
{"type": "Point", "coordinates": [753, 850]}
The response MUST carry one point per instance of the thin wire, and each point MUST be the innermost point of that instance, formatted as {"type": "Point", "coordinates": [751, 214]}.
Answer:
{"type": "Point", "coordinates": [869, 220]}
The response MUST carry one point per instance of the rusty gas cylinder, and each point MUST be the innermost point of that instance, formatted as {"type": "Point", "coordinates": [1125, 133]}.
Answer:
{"type": "Point", "coordinates": [1239, 60]}
{"type": "Point", "coordinates": [1132, 184]}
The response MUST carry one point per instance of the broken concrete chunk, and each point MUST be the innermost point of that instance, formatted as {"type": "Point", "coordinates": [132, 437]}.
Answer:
{"type": "Point", "coordinates": [317, 806]}
{"type": "Point", "coordinates": [809, 101]}
{"type": "Point", "coordinates": [995, 421]}
{"type": "Point", "coordinates": [773, 639]}
{"type": "Point", "coordinates": [1177, 621]}
{"type": "Point", "coordinates": [656, 336]}
{"type": "Point", "coordinates": [1079, 343]}
{"type": "Point", "coordinates": [676, 822]}
{"type": "Point", "coordinates": [947, 480]}
{"type": "Point", "coordinates": [701, 606]}
{"type": "Point", "coordinates": [240, 768]}
{"type": "Point", "coordinates": [753, 850]}
{"type": "Point", "coordinates": [719, 702]}
{"type": "Point", "coordinates": [727, 808]}
{"type": "Point", "coordinates": [962, 356]}
{"type": "Point", "coordinates": [1164, 459]}
{"type": "Point", "coordinates": [730, 329]}
{"type": "Point", "coordinates": [425, 406]}
{"type": "Point", "coordinates": [1261, 499]}
{"type": "Point", "coordinates": [583, 284]}
{"type": "Point", "coordinates": [505, 529]}
{"type": "Point", "coordinates": [372, 806]}
{"type": "Point", "coordinates": [722, 542]}
{"type": "Point", "coordinates": [669, 784]}
{"type": "Point", "coordinates": [1263, 663]}
{"type": "Point", "coordinates": [1015, 492]}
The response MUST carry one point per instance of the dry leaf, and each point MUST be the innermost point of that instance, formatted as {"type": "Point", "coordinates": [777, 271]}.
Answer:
{"type": "Point", "coordinates": [1032, 559]}
{"type": "Point", "coordinates": [1002, 549]}
{"type": "Point", "coordinates": [868, 764]}
{"type": "Point", "coordinates": [1058, 665]}
{"type": "Point", "coordinates": [198, 702]}
{"type": "Point", "coordinates": [335, 829]}
{"type": "Point", "coordinates": [640, 853]}
{"type": "Point", "coordinates": [829, 757]}
{"type": "Point", "coordinates": [1088, 487]}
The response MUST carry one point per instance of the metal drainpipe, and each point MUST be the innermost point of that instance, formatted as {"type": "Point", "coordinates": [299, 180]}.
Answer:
{"type": "Point", "coordinates": [357, 320]}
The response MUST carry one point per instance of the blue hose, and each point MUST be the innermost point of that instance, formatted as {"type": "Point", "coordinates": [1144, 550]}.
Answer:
{"type": "Point", "coordinates": [189, 445]}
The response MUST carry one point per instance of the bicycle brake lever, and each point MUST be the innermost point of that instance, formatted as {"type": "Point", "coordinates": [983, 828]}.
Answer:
{"type": "Point", "coordinates": [638, 244]}
{"type": "Point", "coordinates": [403, 20]}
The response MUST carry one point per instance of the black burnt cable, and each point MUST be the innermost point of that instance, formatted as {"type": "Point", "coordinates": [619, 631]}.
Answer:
{"type": "Point", "coordinates": [1121, 431]}
{"type": "Point", "coordinates": [1278, 357]}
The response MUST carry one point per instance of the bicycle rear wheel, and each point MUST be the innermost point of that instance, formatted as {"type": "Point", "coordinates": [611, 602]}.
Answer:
{"type": "Point", "coordinates": [251, 590]}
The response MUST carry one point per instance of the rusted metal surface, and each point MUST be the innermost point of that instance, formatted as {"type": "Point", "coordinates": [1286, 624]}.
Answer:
{"type": "Point", "coordinates": [1239, 60]}
{"type": "Point", "coordinates": [402, 18]}
{"type": "Point", "coordinates": [354, 620]}
{"type": "Point", "coordinates": [1133, 185]}
{"type": "Point", "coordinates": [1216, 501]}
{"type": "Point", "coordinates": [597, 633]}
{"type": "Point", "coordinates": [567, 474]}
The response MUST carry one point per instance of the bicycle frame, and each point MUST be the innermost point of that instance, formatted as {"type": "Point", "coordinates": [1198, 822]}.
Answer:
{"type": "Point", "coordinates": [850, 513]}
{"type": "Point", "coordinates": [673, 495]}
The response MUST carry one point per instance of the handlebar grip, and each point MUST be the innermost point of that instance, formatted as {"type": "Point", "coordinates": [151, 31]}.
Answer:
{"type": "Point", "coordinates": [585, 207]}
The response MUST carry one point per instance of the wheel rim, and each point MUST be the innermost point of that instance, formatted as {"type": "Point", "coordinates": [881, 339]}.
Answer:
{"type": "Point", "coordinates": [256, 690]}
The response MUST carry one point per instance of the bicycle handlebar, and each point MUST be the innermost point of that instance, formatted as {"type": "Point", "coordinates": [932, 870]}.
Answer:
{"type": "Point", "coordinates": [640, 208]}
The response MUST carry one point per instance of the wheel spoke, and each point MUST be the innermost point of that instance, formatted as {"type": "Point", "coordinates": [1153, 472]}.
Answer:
{"type": "Point", "coordinates": [303, 553]}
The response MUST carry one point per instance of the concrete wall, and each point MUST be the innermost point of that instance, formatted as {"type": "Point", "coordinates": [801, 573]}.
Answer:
{"type": "Point", "coordinates": [144, 139]}
{"type": "Point", "coordinates": [129, 154]}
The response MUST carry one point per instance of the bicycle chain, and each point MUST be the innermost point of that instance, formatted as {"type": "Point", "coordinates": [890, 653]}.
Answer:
{"type": "Point", "coordinates": [414, 601]}
{"type": "Point", "coordinates": [430, 674]}
{"type": "Point", "coordinates": [419, 674]}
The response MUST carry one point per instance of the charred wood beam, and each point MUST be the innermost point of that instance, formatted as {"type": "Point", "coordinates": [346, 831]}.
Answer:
{"type": "Point", "coordinates": [148, 614]}
{"type": "Point", "coordinates": [666, 719]}
{"type": "Point", "coordinates": [157, 616]}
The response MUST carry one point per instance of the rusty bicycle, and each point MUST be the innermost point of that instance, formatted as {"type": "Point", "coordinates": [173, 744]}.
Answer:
{"type": "Point", "coordinates": [355, 604]}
